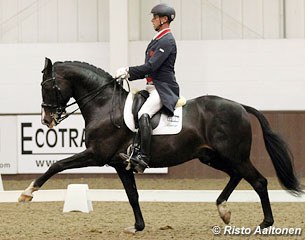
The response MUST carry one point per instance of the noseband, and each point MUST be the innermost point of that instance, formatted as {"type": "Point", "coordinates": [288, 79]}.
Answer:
{"type": "Point", "coordinates": [60, 110]}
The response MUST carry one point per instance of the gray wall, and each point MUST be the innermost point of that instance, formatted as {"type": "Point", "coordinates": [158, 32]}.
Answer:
{"type": "Point", "coordinates": [23, 21]}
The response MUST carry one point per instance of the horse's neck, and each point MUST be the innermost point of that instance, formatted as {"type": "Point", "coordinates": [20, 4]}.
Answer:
{"type": "Point", "coordinates": [84, 82]}
{"type": "Point", "coordinates": [102, 97]}
{"type": "Point", "coordinates": [108, 109]}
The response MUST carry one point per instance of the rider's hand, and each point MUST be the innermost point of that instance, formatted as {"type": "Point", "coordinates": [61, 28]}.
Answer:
{"type": "Point", "coordinates": [122, 73]}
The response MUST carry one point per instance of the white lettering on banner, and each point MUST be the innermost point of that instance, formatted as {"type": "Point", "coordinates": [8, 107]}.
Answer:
{"type": "Point", "coordinates": [40, 147]}
{"type": "Point", "coordinates": [247, 231]}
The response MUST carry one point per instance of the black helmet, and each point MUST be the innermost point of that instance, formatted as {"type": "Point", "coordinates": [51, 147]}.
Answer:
{"type": "Point", "coordinates": [164, 10]}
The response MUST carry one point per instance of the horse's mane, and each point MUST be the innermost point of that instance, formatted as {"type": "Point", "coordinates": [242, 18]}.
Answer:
{"type": "Point", "coordinates": [91, 67]}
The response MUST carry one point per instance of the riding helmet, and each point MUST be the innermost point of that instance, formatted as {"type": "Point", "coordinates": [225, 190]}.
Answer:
{"type": "Point", "coordinates": [164, 10]}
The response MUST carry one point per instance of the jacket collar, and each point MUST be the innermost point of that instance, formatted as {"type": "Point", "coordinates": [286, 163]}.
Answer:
{"type": "Point", "coordinates": [161, 33]}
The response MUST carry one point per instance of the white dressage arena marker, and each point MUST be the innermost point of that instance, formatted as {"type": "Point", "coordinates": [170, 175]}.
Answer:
{"type": "Point", "coordinates": [76, 199]}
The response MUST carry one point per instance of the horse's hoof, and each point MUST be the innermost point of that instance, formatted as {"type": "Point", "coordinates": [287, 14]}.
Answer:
{"type": "Point", "coordinates": [266, 224]}
{"type": "Point", "coordinates": [25, 198]}
{"type": "Point", "coordinates": [224, 212]}
{"type": "Point", "coordinates": [130, 230]}
{"type": "Point", "coordinates": [226, 218]}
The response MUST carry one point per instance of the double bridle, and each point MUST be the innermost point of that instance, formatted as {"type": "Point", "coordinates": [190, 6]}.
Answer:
{"type": "Point", "coordinates": [60, 110]}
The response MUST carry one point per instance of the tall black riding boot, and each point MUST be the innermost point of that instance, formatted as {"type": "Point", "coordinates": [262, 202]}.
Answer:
{"type": "Point", "coordinates": [141, 160]}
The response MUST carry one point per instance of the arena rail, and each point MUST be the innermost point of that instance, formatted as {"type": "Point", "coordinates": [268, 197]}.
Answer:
{"type": "Point", "coordinates": [113, 195]}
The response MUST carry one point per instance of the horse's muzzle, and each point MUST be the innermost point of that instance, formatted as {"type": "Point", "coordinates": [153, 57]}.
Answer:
{"type": "Point", "coordinates": [47, 119]}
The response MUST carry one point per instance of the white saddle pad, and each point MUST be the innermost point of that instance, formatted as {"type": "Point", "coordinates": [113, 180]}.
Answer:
{"type": "Point", "coordinates": [167, 125]}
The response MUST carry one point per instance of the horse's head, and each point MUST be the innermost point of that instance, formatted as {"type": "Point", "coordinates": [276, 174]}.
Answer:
{"type": "Point", "coordinates": [56, 92]}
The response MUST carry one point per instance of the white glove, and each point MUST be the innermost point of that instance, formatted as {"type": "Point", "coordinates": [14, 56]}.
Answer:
{"type": "Point", "coordinates": [122, 73]}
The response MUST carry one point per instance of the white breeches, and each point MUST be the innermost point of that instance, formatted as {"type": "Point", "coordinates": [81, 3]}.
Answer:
{"type": "Point", "coordinates": [153, 103]}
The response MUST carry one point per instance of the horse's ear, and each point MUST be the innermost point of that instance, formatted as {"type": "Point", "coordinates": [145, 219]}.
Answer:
{"type": "Point", "coordinates": [47, 66]}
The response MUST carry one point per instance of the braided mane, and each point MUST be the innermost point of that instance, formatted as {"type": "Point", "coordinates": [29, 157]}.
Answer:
{"type": "Point", "coordinates": [91, 67]}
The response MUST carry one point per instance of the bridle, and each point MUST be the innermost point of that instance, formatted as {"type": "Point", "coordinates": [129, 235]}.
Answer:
{"type": "Point", "coordinates": [60, 110]}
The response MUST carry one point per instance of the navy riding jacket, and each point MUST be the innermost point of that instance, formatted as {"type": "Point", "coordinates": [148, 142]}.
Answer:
{"type": "Point", "coordinates": [160, 57]}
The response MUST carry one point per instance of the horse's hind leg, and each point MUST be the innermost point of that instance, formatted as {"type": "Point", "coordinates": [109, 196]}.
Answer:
{"type": "Point", "coordinates": [223, 210]}
{"type": "Point", "coordinates": [259, 184]}
{"type": "Point", "coordinates": [214, 160]}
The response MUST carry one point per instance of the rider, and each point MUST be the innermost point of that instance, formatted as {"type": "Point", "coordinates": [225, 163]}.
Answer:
{"type": "Point", "coordinates": [159, 72]}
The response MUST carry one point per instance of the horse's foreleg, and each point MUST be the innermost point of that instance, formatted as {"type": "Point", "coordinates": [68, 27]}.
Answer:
{"type": "Point", "coordinates": [27, 194]}
{"type": "Point", "coordinates": [128, 180]}
{"type": "Point", "coordinates": [83, 159]}
{"type": "Point", "coordinates": [223, 210]}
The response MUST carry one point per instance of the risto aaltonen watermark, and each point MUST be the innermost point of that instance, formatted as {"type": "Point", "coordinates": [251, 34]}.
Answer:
{"type": "Point", "coordinates": [270, 231]}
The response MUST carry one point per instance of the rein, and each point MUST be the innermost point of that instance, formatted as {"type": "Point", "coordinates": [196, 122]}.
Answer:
{"type": "Point", "coordinates": [60, 110]}
{"type": "Point", "coordinates": [91, 95]}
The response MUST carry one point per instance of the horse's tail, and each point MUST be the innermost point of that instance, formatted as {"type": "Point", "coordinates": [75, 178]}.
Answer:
{"type": "Point", "coordinates": [279, 153]}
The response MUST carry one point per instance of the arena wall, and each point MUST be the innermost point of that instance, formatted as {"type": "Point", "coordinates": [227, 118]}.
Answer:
{"type": "Point", "coordinates": [266, 74]}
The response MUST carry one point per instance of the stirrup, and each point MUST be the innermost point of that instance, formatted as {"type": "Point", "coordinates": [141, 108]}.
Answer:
{"type": "Point", "coordinates": [131, 151]}
{"type": "Point", "coordinates": [134, 162]}
{"type": "Point", "coordinates": [126, 159]}
{"type": "Point", "coordinates": [140, 166]}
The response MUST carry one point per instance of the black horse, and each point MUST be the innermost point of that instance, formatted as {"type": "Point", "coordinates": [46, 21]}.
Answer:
{"type": "Point", "coordinates": [216, 131]}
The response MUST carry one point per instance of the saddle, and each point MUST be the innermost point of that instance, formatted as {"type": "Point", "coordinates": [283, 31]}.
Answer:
{"type": "Point", "coordinates": [138, 101]}
{"type": "Point", "coordinates": [161, 122]}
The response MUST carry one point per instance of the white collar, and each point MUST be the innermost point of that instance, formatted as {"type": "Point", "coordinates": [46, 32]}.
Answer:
{"type": "Point", "coordinates": [159, 33]}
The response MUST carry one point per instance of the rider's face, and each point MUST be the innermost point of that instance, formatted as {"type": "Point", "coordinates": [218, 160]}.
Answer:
{"type": "Point", "coordinates": [155, 21]}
